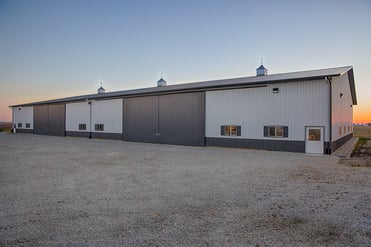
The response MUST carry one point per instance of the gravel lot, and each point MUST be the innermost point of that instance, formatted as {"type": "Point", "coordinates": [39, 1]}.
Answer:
{"type": "Point", "coordinates": [57, 191]}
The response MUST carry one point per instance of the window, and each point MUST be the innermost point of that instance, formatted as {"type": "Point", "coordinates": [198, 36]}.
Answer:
{"type": "Point", "coordinates": [345, 129]}
{"type": "Point", "coordinates": [82, 126]}
{"type": "Point", "coordinates": [230, 130]}
{"type": "Point", "coordinates": [28, 125]}
{"type": "Point", "coordinates": [19, 125]}
{"type": "Point", "coordinates": [276, 131]}
{"type": "Point", "coordinates": [314, 135]}
{"type": "Point", "coordinates": [99, 127]}
{"type": "Point", "coordinates": [340, 131]}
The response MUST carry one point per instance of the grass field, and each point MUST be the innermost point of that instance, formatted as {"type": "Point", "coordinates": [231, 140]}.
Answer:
{"type": "Point", "coordinates": [5, 127]}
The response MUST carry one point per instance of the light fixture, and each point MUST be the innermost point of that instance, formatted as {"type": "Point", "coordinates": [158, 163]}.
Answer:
{"type": "Point", "coordinates": [276, 90]}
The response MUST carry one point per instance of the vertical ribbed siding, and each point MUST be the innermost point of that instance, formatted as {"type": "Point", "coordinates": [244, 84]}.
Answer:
{"type": "Point", "coordinates": [40, 115]}
{"type": "Point", "coordinates": [298, 104]}
{"type": "Point", "coordinates": [141, 119]}
{"type": "Point", "coordinates": [266, 144]}
{"type": "Point", "coordinates": [339, 142]}
{"type": "Point", "coordinates": [342, 110]}
{"type": "Point", "coordinates": [182, 119]}
{"type": "Point", "coordinates": [169, 119]}
{"type": "Point", "coordinates": [23, 115]}
{"type": "Point", "coordinates": [77, 113]}
{"type": "Point", "coordinates": [49, 119]}
{"type": "Point", "coordinates": [56, 120]}
{"type": "Point", "coordinates": [108, 113]}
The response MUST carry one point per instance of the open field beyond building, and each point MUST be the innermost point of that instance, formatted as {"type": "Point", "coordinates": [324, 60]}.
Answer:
{"type": "Point", "coordinates": [362, 131]}
{"type": "Point", "coordinates": [65, 191]}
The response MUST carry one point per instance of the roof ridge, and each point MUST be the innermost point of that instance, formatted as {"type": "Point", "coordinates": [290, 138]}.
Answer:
{"type": "Point", "coordinates": [199, 85]}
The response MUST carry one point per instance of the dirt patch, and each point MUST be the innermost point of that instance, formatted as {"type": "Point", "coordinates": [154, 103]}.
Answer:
{"type": "Point", "coordinates": [361, 156]}
{"type": "Point", "coordinates": [356, 161]}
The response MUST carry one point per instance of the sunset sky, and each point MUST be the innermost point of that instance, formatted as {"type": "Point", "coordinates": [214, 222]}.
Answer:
{"type": "Point", "coordinates": [52, 49]}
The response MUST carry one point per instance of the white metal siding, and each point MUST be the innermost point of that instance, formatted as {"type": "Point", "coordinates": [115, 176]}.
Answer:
{"type": "Point", "coordinates": [109, 113]}
{"type": "Point", "coordinates": [342, 111]}
{"type": "Point", "coordinates": [23, 115]}
{"type": "Point", "coordinates": [77, 113]}
{"type": "Point", "coordinates": [298, 104]}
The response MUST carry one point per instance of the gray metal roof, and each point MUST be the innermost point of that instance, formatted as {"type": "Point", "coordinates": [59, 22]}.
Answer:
{"type": "Point", "coordinates": [214, 84]}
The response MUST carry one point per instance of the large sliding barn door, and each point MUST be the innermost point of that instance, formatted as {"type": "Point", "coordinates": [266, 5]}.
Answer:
{"type": "Point", "coordinates": [182, 119]}
{"type": "Point", "coordinates": [40, 119]}
{"type": "Point", "coordinates": [141, 119]}
{"type": "Point", "coordinates": [57, 120]}
{"type": "Point", "coordinates": [50, 119]}
{"type": "Point", "coordinates": [169, 119]}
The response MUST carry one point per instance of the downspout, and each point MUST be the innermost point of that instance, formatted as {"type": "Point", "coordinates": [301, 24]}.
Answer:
{"type": "Point", "coordinates": [90, 119]}
{"type": "Point", "coordinates": [328, 149]}
{"type": "Point", "coordinates": [13, 128]}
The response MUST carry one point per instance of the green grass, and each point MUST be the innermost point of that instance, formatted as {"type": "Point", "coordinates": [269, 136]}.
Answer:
{"type": "Point", "coordinates": [361, 141]}
{"type": "Point", "coordinates": [6, 129]}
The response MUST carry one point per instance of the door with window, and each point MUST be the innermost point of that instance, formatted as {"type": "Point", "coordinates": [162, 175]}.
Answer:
{"type": "Point", "coordinates": [314, 140]}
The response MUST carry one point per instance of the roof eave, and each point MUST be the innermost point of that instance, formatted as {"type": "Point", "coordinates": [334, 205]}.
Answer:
{"type": "Point", "coordinates": [205, 85]}
{"type": "Point", "coordinates": [352, 86]}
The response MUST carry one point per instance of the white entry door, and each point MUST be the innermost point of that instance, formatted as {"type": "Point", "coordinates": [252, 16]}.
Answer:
{"type": "Point", "coordinates": [314, 140]}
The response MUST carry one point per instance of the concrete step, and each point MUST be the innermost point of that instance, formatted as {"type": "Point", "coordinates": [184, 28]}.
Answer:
{"type": "Point", "coordinates": [346, 149]}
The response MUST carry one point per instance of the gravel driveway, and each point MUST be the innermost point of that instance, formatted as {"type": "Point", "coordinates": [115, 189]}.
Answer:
{"type": "Point", "coordinates": [57, 191]}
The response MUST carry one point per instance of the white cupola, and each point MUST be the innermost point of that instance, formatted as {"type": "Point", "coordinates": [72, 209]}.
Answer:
{"type": "Point", "coordinates": [101, 89]}
{"type": "Point", "coordinates": [261, 71]}
{"type": "Point", "coordinates": [161, 82]}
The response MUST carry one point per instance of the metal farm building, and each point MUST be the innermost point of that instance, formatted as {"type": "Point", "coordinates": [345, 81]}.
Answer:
{"type": "Point", "coordinates": [309, 111]}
